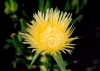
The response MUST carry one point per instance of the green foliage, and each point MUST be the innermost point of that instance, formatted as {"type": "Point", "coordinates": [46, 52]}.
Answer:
{"type": "Point", "coordinates": [17, 44]}
{"type": "Point", "coordinates": [43, 7]}
{"type": "Point", "coordinates": [74, 5]}
{"type": "Point", "coordinates": [67, 6]}
{"type": "Point", "coordinates": [60, 62]}
{"type": "Point", "coordinates": [11, 6]}
{"type": "Point", "coordinates": [16, 39]}
{"type": "Point", "coordinates": [47, 5]}
{"type": "Point", "coordinates": [34, 57]}
{"type": "Point", "coordinates": [23, 24]}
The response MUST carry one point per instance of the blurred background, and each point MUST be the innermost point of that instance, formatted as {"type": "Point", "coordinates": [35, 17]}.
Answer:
{"type": "Point", "coordinates": [14, 16]}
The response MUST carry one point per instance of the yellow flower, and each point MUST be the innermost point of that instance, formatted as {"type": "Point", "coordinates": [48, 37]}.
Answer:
{"type": "Point", "coordinates": [50, 33]}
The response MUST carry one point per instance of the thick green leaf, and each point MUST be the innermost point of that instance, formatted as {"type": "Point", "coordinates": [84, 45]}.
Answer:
{"type": "Point", "coordinates": [19, 37]}
{"type": "Point", "coordinates": [14, 5]}
{"type": "Point", "coordinates": [34, 58]}
{"type": "Point", "coordinates": [11, 5]}
{"type": "Point", "coordinates": [23, 25]}
{"type": "Point", "coordinates": [9, 41]}
{"type": "Point", "coordinates": [67, 6]}
{"type": "Point", "coordinates": [83, 4]}
{"type": "Point", "coordinates": [15, 25]}
{"type": "Point", "coordinates": [78, 19]}
{"type": "Point", "coordinates": [16, 42]}
{"type": "Point", "coordinates": [41, 5]}
{"type": "Point", "coordinates": [77, 9]}
{"type": "Point", "coordinates": [58, 58]}
{"type": "Point", "coordinates": [7, 5]}
{"type": "Point", "coordinates": [47, 5]}
{"type": "Point", "coordinates": [23, 12]}
{"type": "Point", "coordinates": [75, 5]}
{"type": "Point", "coordinates": [14, 63]}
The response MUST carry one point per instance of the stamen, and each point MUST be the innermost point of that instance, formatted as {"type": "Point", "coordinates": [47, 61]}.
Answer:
{"type": "Point", "coordinates": [51, 37]}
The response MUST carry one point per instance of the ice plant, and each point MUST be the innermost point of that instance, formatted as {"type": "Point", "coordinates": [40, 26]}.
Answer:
{"type": "Point", "coordinates": [50, 33]}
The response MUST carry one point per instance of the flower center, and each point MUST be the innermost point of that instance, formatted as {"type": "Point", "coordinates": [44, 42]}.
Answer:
{"type": "Point", "coordinates": [51, 37]}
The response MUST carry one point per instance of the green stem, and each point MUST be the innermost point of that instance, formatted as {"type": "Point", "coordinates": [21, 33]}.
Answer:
{"type": "Point", "coordinates": [34, 58]}
{"type": "Point", "coordinates": [58, 58]}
